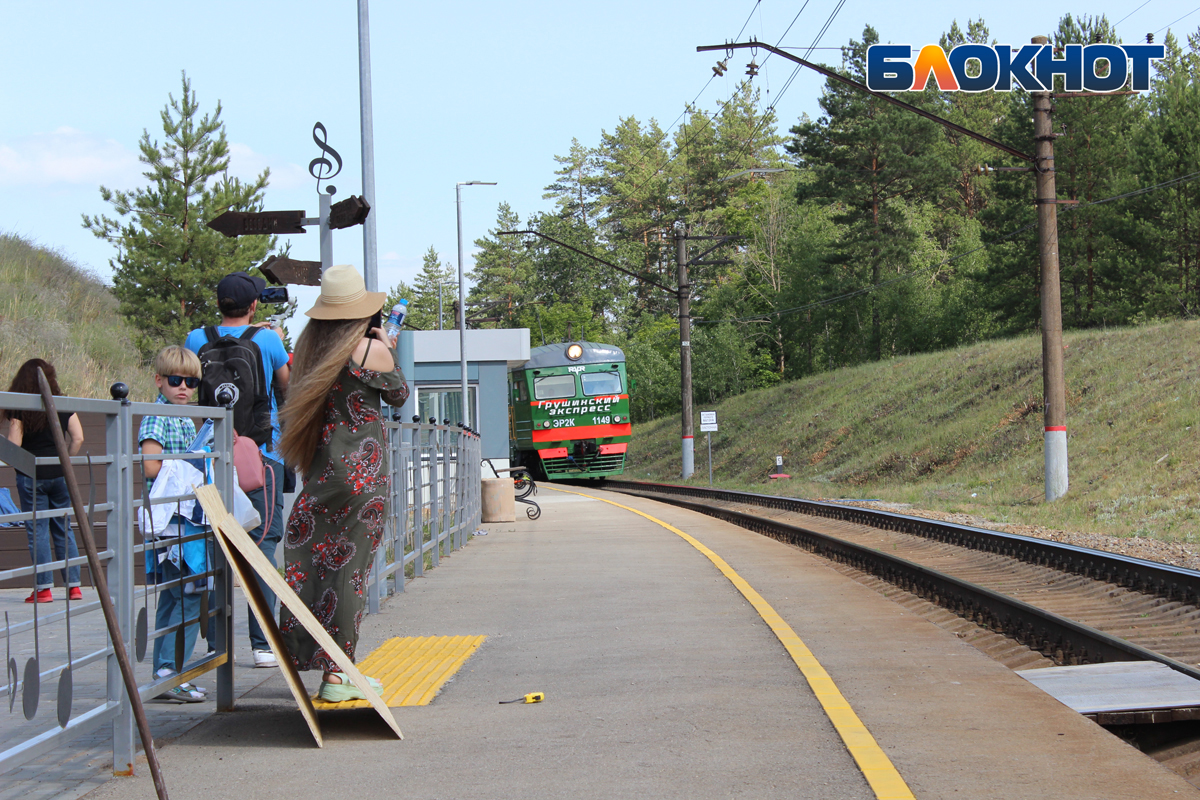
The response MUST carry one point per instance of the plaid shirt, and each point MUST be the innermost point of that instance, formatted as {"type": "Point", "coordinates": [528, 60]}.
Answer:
{"type": "Point", "coordinates": [175, 434]}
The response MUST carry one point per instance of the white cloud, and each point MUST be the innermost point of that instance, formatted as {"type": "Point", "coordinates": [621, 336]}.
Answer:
{"type": "Point", "coordinates": [246, 164]}
{"type": "Point", "coordinates": [68, 156]}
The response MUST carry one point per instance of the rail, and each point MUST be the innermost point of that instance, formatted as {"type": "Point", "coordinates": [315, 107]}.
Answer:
{"type": "Point", "coordinates": [1067, 641]}
{"type": "Point", "coordinates": [60, 668]}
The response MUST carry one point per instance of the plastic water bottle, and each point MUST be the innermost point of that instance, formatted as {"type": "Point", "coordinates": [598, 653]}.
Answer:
{"type": "Point", "coordinates": [395, 320]}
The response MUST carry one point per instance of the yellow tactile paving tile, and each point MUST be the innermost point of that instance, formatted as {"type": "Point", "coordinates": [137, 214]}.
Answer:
{"type": "Point", "coordinates": [412, 669]}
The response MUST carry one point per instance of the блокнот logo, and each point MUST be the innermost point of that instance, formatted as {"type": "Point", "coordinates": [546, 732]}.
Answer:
{"type": "Point", "coordinates": [1003, 68]}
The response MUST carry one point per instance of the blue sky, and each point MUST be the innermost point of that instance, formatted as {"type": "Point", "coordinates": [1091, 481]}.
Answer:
{"type": "Point", "coordinates": [462, 91]}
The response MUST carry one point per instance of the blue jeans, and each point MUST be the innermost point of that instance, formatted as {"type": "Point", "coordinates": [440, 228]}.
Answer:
{"type": "Point", "coordinates": [51, 493]}
{"type": "Point", "coordinates": [273, 491]}
{"type": "Point", "coordinates": [173, 607]}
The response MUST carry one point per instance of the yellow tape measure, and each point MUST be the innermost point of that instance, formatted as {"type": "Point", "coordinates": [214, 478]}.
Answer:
{"type": "Point", "coordinates": [532, 697]}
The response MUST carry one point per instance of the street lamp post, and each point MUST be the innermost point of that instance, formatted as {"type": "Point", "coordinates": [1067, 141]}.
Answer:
{"type": "Point", "coordinates": [462, 300]}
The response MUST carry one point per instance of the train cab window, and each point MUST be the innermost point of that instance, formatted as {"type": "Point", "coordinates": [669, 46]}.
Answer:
{"type": "Point", "coordinates": [553, 387]}
{"type": "Point", "coordinates": [596, 383]}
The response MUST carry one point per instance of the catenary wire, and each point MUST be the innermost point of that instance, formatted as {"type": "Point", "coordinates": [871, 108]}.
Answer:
{"type": "Point", "coordinates": [708, 119]}
{"type": "Point", "coordinates": [1131, 13]}
{"type": "Point", "coordinates": [1185, 16]}
{"type": "Point", "coordinates": [667, 132]}
{"type": "Point", "coordinates": [787, 84]}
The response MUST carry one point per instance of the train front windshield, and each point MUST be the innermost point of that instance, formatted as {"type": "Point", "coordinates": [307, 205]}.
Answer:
{"type": "Point", "coordinates": [553, 387]}
{"type": "Point", "coordinates": [596, 383]}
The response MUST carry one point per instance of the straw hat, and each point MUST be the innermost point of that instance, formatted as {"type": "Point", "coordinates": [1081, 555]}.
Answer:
{"type": "Point", "coordinates": [345, 296]}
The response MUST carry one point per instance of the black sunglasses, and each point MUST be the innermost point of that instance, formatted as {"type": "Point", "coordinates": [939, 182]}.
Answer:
{"type": "Point", "coordinates": [175, 380]}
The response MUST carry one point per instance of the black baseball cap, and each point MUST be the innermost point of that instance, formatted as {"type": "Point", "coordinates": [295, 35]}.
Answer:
{"type": "Point", "coordinates": [240, 287]}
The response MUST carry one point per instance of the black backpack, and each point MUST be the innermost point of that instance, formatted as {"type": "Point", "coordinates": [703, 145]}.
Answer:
{"type": "Point", "coordinates": [234, 364]}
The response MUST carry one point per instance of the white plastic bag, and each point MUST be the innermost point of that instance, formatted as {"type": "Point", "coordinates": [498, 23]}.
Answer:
{"type": "Point", "coordinates": [244, 511]}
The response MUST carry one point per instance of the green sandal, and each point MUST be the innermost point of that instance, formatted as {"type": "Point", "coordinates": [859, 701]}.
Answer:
{"type": "Point", "coordinates": [342, 692]}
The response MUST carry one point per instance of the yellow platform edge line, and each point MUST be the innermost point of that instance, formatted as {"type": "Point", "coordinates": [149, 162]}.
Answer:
{"type": "Point", "coordinates": [877, 769]}
{"type": "Point", "coordinates": [412, 669]}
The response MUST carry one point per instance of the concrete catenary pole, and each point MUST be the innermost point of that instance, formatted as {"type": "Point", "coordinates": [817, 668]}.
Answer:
{"type": "Point", "coordinates": [367, 125]}
{"type": "Point", "coordinates": [1053, 384]}
{"type": "Point", "coordinates": [685, 354]}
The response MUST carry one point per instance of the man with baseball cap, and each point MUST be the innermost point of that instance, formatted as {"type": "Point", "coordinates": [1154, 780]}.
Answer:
{"type": "Point", "coordinates": [237, 300]}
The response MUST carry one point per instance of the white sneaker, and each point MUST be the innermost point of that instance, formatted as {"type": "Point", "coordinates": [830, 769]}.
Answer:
{"type": "Point", "coordinates": [265, 658]}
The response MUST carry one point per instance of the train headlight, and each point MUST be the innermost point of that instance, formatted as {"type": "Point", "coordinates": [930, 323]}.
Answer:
{"type": "Point", "coordinates": [546, 424]}
{"type": "Point", "coordinates": [574, 352]}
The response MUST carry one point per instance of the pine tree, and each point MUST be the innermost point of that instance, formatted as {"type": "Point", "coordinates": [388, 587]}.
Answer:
{"type": "Point", "coordinates": [168, 260]}
{"type": "Point", "coordinates": [869, 160]}
{"type": "Point", "coordinates": [435, 279]}
{"type": "Point", "coordinates": [502, 274]}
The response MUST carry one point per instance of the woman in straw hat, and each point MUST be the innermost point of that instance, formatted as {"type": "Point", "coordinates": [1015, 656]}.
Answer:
{"type": "Point", "coordinates": [333, 433]}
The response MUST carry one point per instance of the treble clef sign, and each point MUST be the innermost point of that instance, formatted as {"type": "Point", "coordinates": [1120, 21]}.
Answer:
{"type": "Point", "coordinates": [321, 167]}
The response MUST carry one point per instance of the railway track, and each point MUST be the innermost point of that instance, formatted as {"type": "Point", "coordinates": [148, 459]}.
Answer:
{"type": "Point", "coordinates": [1026, 602]}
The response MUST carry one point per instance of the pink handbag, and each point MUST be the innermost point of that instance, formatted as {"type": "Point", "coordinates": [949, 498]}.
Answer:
{"type": "Point", "coordinates": [252, 475]}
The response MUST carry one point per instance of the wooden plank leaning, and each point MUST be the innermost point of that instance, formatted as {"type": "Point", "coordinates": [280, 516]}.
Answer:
{"type": "Point", "coordinates": [101, 581]}
{"type": "Point", "coordinates": [233, 538]}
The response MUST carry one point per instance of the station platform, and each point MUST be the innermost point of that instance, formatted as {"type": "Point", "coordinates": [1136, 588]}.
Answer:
{"type": "Point", "coordinates": [662, 680]}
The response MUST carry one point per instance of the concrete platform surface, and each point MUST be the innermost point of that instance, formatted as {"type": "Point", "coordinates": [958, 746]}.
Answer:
{"type": "Point", "coordinates": [661, 681]}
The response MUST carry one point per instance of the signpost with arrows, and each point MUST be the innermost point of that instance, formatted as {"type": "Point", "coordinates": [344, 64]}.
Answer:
{"type": "Point", "coordinates": [332, 216]}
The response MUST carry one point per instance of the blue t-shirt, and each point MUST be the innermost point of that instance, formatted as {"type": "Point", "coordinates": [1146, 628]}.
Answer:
{"type": "Point", "coordinates": [274, 356]}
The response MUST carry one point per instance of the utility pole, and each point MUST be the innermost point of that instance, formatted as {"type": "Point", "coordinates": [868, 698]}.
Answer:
{"type": "Point", "coordinates": [1055, 411]}
{"type": "Point", "coordinates": [685, 354]}
{"type": "Point", "coordinates": [1053, 385]}
{"type": "Point", "coordinates": [367, 125]}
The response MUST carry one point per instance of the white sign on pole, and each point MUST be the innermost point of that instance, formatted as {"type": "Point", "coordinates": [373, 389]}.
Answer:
{"type": "Point", "coordinates": [708, 421]}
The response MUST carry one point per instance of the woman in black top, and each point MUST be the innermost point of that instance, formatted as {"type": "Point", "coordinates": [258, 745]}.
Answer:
{"type": "Point", "coordinates": [29, 430]}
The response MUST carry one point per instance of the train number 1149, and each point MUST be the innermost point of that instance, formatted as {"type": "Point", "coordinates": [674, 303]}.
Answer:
{"type": "Point", "coordinates": [601, 420]}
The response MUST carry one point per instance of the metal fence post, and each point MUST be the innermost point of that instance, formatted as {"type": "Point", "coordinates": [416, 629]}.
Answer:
{"type": "Point", "coordinates": [119, 527]}
{"type": "Point", "coordinates": [400, 507]}
{"type": "Point", "coordinates": [223, 478]}
{"type": "Point", "coordinates": [456, 511]}
{"type": "Point", "coordinates": [435, 504]}
{"type": "Point", "coordinates": [419, 515]}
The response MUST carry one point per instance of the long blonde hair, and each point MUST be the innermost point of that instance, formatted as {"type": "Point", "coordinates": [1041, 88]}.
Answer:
{"type": "Point", "coordinates": [324, 347]}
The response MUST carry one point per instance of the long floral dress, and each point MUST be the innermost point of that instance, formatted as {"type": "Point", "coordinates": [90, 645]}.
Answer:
{"type": "Point", "coordinates": [337, 522]}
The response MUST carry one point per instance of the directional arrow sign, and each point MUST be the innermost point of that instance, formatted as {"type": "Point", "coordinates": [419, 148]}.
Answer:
{"type": "Point", "coordinates": [288, 270]}
{"type": "Point", "coordinates": [258, 223]}
{"type": "Point", "coordinates": [349, 212]}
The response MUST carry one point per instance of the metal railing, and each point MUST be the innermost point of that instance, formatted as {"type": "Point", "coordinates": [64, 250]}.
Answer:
{"type": "Point", "coordinates": [433, 505]}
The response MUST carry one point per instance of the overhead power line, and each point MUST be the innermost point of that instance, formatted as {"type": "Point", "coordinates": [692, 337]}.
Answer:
{"type": "Point", "coordinates": [1185, 16]}
{"type": "Point", "coordinates": [708, 118]}
{"type": "Point", "coordinates": [667, 132]}
{"type": "Point", "coordinates": [1131, 13]}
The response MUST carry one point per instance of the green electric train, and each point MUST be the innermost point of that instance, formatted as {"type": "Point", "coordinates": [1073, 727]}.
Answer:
{"type": "Point", "coordinates": [569, 411]}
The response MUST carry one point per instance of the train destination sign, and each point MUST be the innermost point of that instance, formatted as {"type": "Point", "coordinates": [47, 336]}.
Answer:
{"type": "Point", "coordinates": [1002, 68]}
{"type": "Point", "coordinates": [258, 223]}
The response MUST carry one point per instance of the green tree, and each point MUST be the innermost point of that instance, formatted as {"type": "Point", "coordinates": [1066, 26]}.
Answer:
{"type": "Point", "coordinates": [168, 260]}
{"type": "Point", "coordinates": [1164, 226]}
{"type": "Point", "coordinates": [869, 159]}
{"type": "Point", "coordinates": [436, 280]}
{"type": "Point", "coordinates": [975, 111]}
{"type": "Point", "coordinates": [502, 275]}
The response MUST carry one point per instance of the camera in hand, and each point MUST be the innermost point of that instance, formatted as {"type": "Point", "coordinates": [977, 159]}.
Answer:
{"type": "Point", "coordinates": [273, 294]}
{"type": "Point", "coordinates": [376, 321]}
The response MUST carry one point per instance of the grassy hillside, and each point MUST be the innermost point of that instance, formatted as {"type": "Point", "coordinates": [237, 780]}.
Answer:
{"type": "Point", "coordinates": [961, 432]}
{"type": "Point", "coordinates": [51, 309]}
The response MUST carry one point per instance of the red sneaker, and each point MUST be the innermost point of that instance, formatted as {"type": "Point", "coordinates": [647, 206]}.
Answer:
{"type": "Point", "coordinates": [42, 596]}
{"type": "Point", "coordinates": [76, 593]}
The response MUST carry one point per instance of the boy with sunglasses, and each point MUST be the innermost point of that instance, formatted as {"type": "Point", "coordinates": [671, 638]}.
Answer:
{"type": "Point", "coordinates": [177, 375]}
